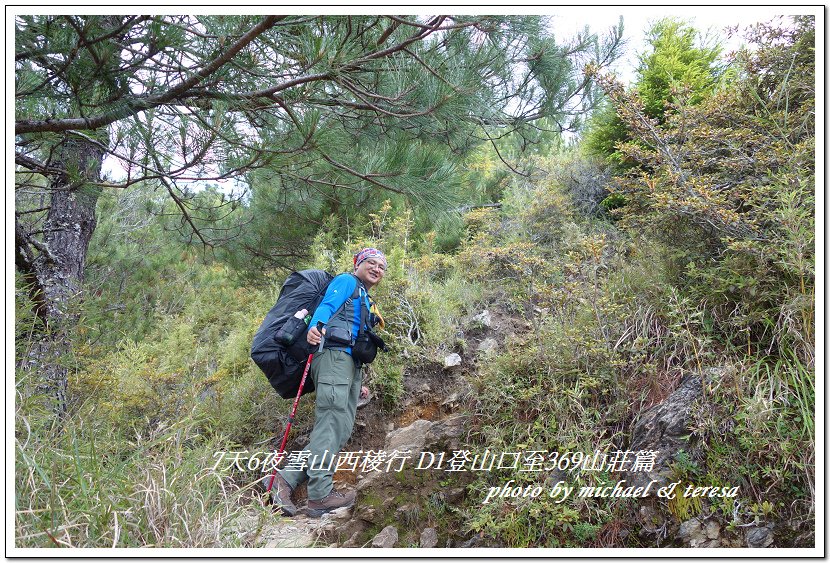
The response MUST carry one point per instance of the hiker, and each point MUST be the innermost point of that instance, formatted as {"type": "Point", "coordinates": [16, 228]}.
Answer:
{"type": "Point", "coordinates": [337, 375]}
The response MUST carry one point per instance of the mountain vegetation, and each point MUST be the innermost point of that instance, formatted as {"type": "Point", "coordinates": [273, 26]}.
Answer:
{"type": "Point", "coordinates": [172, 170]}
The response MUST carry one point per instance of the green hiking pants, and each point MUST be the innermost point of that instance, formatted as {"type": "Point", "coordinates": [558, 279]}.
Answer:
{"type": "Point", "coordinates": [338, 383]}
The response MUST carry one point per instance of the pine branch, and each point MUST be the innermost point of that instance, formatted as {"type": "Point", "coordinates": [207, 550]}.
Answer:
{"type": "Point", "coordinates": [133, 106]}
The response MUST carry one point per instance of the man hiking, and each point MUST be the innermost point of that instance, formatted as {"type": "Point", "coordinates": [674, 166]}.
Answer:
{"type": "Point", "coordinates": [337, 375]}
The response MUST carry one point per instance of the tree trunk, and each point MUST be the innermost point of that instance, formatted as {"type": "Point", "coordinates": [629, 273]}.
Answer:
{"type": "Point", "coordinates": [55, 264]}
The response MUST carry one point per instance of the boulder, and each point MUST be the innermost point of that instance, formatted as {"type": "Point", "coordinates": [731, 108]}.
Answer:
{"type": "Point", "coordinates": [712, 530]}
{"type": "Point", "coordinates": [455, 495]}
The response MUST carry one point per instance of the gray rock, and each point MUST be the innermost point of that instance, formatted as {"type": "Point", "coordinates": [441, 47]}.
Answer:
{"type": "Point", "coordinates": [712, 530]}
{"type": "Point", "coordinates": [445, 434]}
{"type": "Point", "coordinates": [692, 533]}
{"type": "Point", "coordinates": [759, 537]}
{"type": "Point", "coordinates": [484, 319]}
{"type": "Point", "coordinates": [451, 361]}
{"type": "Point", "coordinates": [664, 428]}
{"type": "Point", "coordinates": [337, 515]}
{"type": "Point", "coordinates": [429, 538]}
{"type": "Point", "coordinates": [695, 533]}
{"type": "Point", "coordinates": [410, 437]}
{"type": "Point", "coordinates": [387, 537]}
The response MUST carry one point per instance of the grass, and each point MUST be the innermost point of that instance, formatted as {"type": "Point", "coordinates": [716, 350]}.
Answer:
{"type": "Point", "coordinates": [78, 485]}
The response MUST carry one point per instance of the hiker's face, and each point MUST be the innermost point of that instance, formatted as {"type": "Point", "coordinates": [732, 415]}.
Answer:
{"type": "Point", "coordinates": [371, 271]}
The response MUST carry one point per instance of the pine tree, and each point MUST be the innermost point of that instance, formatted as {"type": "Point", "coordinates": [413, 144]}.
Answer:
{"type": "Point", "coordinates": [306, 110]}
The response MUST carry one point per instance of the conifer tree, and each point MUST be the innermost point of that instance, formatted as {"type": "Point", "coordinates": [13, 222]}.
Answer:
{"type": "Point", "coordinates": [306, 109]}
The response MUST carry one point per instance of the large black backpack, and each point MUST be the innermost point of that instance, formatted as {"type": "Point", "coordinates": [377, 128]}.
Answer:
{"type": "Point", "coordinates": [283, 365]}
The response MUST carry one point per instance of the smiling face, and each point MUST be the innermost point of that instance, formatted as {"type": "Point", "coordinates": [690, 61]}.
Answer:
{"type": "Point", "coordinates": [370, 272]}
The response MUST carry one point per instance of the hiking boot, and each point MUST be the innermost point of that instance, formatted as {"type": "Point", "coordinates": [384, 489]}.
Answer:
{"type": "Point", "coordinates": [332, 501]}
{"type": "Point", "coordinates": [281, 495]}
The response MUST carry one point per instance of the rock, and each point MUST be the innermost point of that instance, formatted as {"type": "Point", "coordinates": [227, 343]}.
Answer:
{"type": "Point", "coordinates": [410, 437]}
{"type": "Point", "coordinates": [445, 435]}
{"type": "Point", "coordinates": [451, 361]}
{"type": "Point", "coordinates": [696, 534]}
{"type": "Point", "coordinates": [663, 429]}
{"type": "Point", "coordinates": [488, 344]}
{"type": "Point", "coordinates": [352, 541]}
{"type": "Point", "coordinates": [455, 495]}
{"type": "Point", "coordinates": [712, 530]}
{"type": "Point", "coordinates": [452, 399]}
{"type": "Point", "coordinates": [691, 533]}
{"type": "Point", "coordinates": [294, 532]}
{"type": "Point", "coordinates": [484, 319]}
{"type": "Point", "coordinates": [387, 537]}
{"type": "Point", "coordinates": [367, 513]}
{"type": "Point", "coordinates": [342, 513]}
{"type": "Point", "coordinates": [652, 520]}
{"type": "Point", "coordinates": [429, 538]}
{"type": "Point", "coordinates": [759, 537]}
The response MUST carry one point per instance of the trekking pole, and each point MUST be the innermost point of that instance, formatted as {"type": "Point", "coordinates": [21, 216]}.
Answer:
{"type": "Point", "coordinates": [294, 410]}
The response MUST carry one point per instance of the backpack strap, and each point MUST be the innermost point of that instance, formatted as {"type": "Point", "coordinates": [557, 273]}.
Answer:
{"type": "Point", "coordinates": [364, 307]}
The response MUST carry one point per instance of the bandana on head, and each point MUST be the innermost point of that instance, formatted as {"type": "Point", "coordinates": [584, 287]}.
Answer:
{"type": "Point", "coordinates": [367, 253]}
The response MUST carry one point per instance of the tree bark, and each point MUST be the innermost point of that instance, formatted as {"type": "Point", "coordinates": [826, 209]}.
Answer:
{"type": "Point", "coordinates": [54, 264]}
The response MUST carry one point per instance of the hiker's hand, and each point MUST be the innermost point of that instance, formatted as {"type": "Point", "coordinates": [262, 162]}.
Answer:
{"type": "Point", "coordinates": [364, 392]}
{"type": "Point", "coordinates": [313, 336]}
